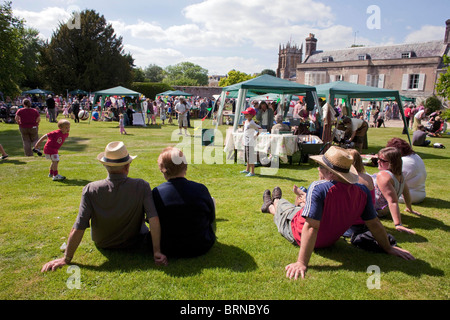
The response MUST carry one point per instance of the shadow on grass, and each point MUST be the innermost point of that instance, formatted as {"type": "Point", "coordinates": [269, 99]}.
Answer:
{"type": "Point", "coordinates": [221, 256]}
{"type": "Point", "coordinates": [74, 182]}
{"type": "Point", "coordinates": [11, 161]}
{"type": "Point", "coordinates": [75, 144]}
{"type": "Point", "coordinates": [354, 259]}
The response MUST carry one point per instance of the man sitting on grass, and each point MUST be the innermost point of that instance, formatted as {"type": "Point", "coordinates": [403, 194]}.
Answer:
{"type": "Point", "coordinates": [332, 205]}
{"type": "Point", "coordinates": [115, 209]}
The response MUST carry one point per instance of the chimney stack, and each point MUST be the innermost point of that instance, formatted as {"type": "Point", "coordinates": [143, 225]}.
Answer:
{"type": "Point", "coordinates": [311, 45]}
{"type": "Point", "coordinates": [447, 32]}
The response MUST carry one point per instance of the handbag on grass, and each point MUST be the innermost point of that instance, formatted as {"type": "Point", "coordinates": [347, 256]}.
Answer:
{"type": "Point", "coordinates": [367, 242]}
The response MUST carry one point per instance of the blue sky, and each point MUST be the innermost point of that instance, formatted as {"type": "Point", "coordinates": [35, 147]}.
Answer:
{"type": "Point", "coordinates": [221, 35]}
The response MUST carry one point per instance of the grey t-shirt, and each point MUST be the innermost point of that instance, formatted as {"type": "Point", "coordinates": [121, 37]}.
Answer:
{"type": "Point", "coordinates": [115, 209]}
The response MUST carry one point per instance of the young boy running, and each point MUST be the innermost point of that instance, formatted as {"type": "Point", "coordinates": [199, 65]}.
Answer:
{"type": "Point", "coordinates": [55, 140]}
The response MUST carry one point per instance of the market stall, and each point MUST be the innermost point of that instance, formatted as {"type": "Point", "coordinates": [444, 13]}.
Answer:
{"type": "Point", "coordinates": [346, 90]}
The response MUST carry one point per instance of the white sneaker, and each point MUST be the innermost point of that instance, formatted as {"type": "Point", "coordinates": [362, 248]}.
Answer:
{"type": "Point", "coordinates": [58, 177]}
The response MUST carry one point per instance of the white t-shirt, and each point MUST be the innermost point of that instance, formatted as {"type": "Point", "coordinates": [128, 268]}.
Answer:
{"type": "Point", "coordinates": [182, 108]}
{"type": "Point", "coordinates": [415, 174]}
{"type": "Point", "coordinates": [250, 130]}
{"type": "Point", "coordinates": [419, 114]}
{"type": "Point", "coordinates": [356, 123]}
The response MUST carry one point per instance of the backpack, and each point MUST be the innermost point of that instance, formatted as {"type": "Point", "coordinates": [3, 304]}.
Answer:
{"type": "Point", "coordinates": [367, 242]}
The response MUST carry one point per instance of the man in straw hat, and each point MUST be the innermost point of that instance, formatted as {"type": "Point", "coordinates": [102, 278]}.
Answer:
{"type": "Point", "coordinates": [115, 209]}
{"type": "Point", "coordinates": [332, 205]}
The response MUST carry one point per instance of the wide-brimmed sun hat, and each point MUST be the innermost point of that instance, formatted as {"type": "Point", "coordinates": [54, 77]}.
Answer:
{"type": "Point", "coordinates": [340, 162]}
{"type": "Point", "coordinates": [116, 154]}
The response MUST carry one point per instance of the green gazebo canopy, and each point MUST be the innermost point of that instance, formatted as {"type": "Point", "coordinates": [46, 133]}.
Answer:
{"type": "Point", "coordinates": [346, 90]}
{"type": "Point", "coordinates": [266, 84]}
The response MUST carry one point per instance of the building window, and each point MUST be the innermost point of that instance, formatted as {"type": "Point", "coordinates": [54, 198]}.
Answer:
{"type": "Point", "coordinates": [315, 78]}
{"type": "Point", "coordinates": [327, 59]}
{"type": "Point", "coordinates": [413, 81]}
{"type": "Point", "coordinates": [375, 80]}
{"type": "Point", "coordinates": [362, 57]}
{"type": "Point", "coordinates": [408, 55]}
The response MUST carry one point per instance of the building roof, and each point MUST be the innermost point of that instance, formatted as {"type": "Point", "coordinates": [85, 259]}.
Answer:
{"type": "Point", "coordinates": [420, 50]}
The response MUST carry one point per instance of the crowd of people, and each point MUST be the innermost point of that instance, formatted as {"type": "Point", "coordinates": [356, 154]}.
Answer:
{"type": "Point", "coordinates": [177, 218]}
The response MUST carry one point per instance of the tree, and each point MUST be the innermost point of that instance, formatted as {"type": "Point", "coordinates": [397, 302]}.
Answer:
{"type": "Point", "coordinates": [269, 72]}
{"type": "Point", "coordinates": [90, 57]}
{"type": "Point", "coordinates": [443, 83]}
{"type": "Point", "coordinates": [186, 74]}
{"type": "Point", "coordinates": [154, 73]}
{"type": "Point", "coordinates": [138, 75]}
{"type": "Point", "coordinates": [11, 69]}
{"type": "Point", "coordinates": [433, 104]}
{"type": "Point", "coordinates": [32, 46]}
{"type": "Point", "coordinates": [233, 77]}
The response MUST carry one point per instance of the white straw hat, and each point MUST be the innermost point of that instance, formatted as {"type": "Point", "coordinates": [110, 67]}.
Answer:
{"type": "Point", "coordinates": [115, 155]}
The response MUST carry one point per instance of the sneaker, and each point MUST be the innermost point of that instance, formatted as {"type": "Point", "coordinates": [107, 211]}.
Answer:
{"type": "Point", "coordinates": [244, 171]}
{"type": "Point", "coordinates": [267, 201]}
{"type": "Point", "coordinates": [58, 177]}
{"type": "Point", "coordinates": [249, 174]}
{"type": "Point", "coordinates": [38, 152]}
{"type": "Point", "coordinates": [5, 156]}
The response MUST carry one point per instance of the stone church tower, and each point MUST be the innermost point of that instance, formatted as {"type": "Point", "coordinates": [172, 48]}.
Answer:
{"type": "Point", "coordinates": [288, 58]}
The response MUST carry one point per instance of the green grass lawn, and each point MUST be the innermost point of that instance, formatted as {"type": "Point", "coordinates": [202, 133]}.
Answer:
{"type": "Point", "coordinates": [248, 260]}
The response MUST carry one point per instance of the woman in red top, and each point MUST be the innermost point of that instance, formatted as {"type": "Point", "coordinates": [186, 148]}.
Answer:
{"type": "Point", "coordinates": [28, 120]}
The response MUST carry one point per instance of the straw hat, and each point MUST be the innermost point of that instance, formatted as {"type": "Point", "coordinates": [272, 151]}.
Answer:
{"type": "Point", "coordinates": [340, 162]}
{"type": "Point", "coordinates": [115, 155]}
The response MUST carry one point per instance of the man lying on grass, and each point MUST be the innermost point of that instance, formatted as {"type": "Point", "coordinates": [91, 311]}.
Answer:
{"type": "Point", "coordinates": [331, 207]}
{"type": "Point", "coordinates": [116, 208]}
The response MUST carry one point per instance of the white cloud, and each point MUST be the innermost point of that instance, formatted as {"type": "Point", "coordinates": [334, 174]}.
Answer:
{"type": "Point", "coordinates": [159, 56]}
{"type": "Point", "coordinates": [46, 20]}
{"type": "Point", "coordinates": [426, 33]}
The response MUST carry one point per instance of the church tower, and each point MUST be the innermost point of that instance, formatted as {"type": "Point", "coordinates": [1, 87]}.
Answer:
{"type": "Point", "coordinates": [289, 57]}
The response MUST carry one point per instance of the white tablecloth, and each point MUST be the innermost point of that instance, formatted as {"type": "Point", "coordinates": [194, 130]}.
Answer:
{"type": "Point", "coordinates": [280, 145]}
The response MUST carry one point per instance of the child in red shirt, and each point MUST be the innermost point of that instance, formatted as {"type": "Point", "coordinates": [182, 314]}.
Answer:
{"type": "Point", "coordinates": [55, 140]}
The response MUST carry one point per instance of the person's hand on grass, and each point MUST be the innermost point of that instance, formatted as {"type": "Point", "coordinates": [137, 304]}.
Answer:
{"type": "Point", "coordinates": [413, 212]}
{"type": "Point", "coordinates": [160, 259]}
{"type": "Point", "coordinates": [296, 269]}
{"type": "Point", "coordinates": [54, 264]}
{"type": "Point", "coordinates": [402, 253]}
{"type": "Point", "coordinates": [401, 228]}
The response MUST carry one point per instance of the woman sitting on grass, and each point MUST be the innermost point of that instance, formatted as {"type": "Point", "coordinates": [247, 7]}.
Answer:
{"type": "Point", "coordinates": [389, 185]}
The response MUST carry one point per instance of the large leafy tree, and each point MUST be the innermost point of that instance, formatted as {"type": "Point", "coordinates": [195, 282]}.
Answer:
{"type": "Point", "coordinates": [443, 83]}
{"type": "Point", "coordinates": [11, 44]}
{"type": "Point", "coordinates": [89, 57]}
{"type": "Point", "coordinates": [186, 74]}
{"type": "Point", "coordinates": [233, 77]}
{"type": "Point", "coordinates": [154, 73]}
{"type": "Point", "coordinates": [32, 46]}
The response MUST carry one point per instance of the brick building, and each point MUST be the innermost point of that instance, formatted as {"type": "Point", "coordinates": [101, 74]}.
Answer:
{"type": "Point", "coordinates": [410, 68]}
